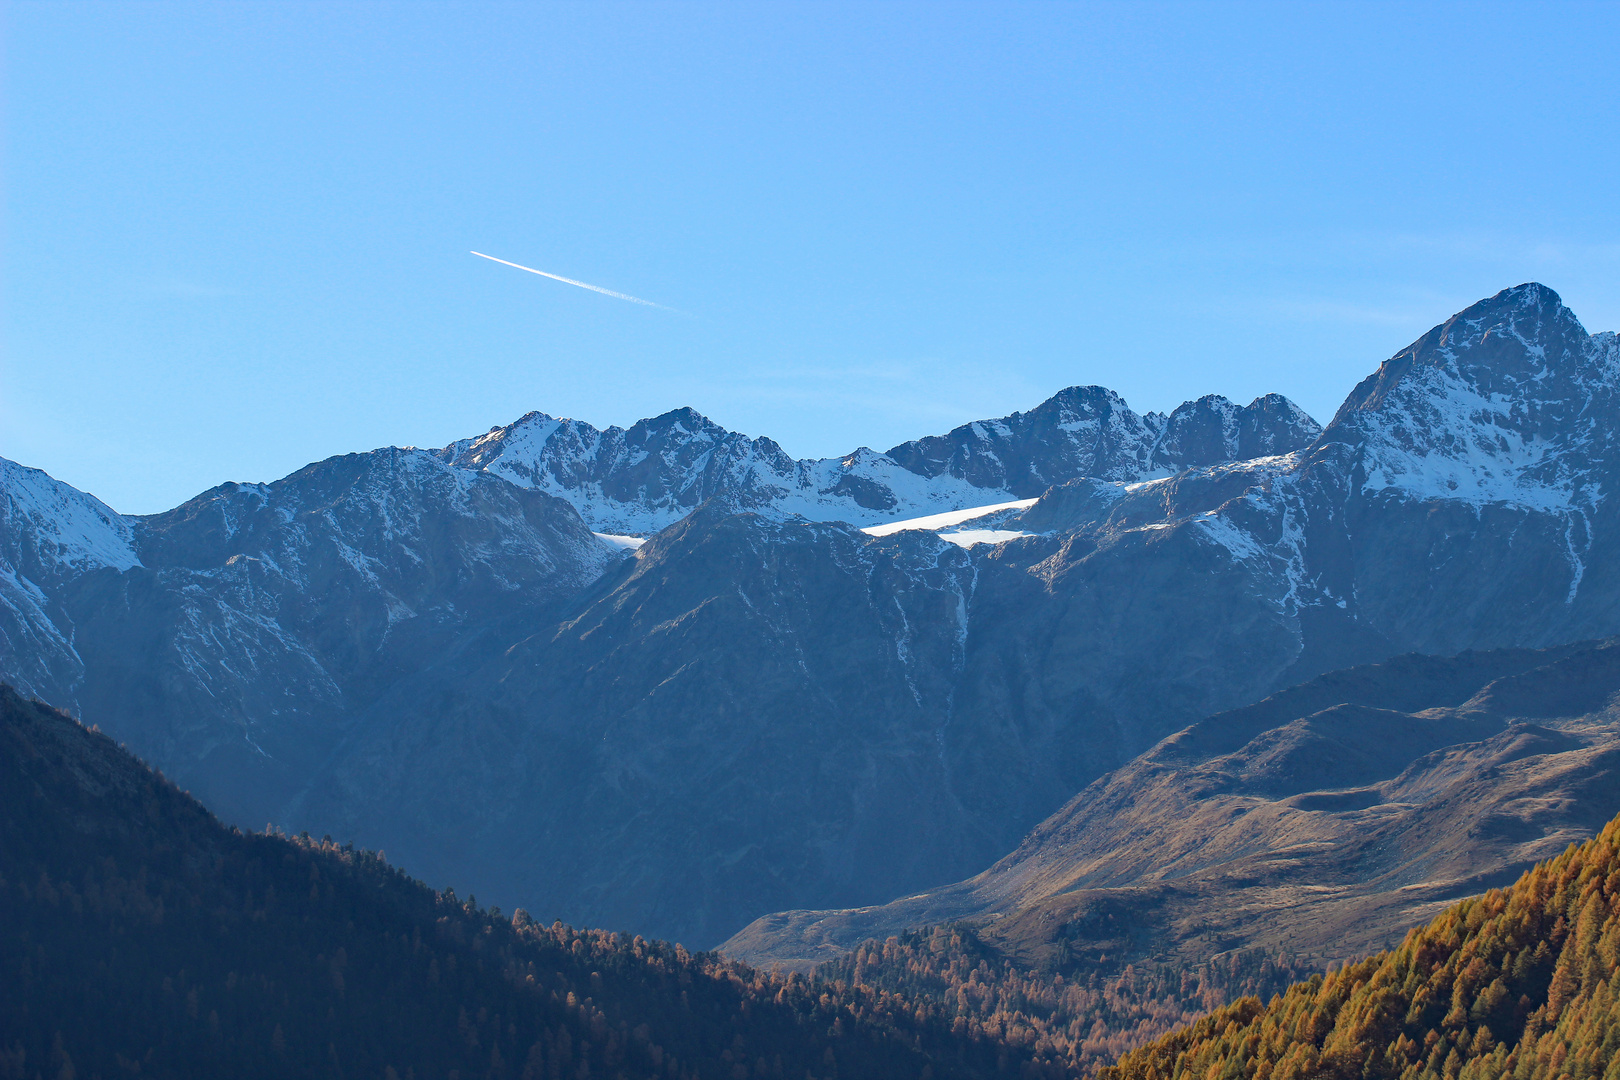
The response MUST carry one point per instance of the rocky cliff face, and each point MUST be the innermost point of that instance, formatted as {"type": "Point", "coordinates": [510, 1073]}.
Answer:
{"type": "Point", "coordinates": [762, 709]}
{"type": "Point", "coordinates": [1212, 430]}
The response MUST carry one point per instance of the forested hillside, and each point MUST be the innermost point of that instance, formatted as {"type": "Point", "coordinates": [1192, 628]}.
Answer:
{"type": "Point", "coordinates": [1072, 1017]}
{"type": "Point", "coordinates": [1522, 982]}
{"type": "Point", "coordinates": [143, 938]}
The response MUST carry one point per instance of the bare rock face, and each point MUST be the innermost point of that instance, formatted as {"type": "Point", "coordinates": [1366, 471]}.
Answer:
{"type": "Point", "coordinates": [1087, 431]}
{"type": "Point", "coordinates": [51, 535]}
{"type": "Point", "coordinates": [1082, 431]}
{"type": "Point", "coordinates": [1213, 429]}
{"type": "Point", "coordinates": [748, 709]}
{"type": "Point", "coordinates": [767, 707]}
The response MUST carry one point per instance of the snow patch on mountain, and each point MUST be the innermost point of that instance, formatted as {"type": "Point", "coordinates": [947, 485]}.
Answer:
{"type": "Point", "coordinates": [936, 522]}
{"type": "Point", "coordinates": [640, 480]}
{"type": "Point", "coordinates": [969, 537]}
{"type": "Point", "coordinates": [1508, 402]}
{"type": "Point", "coordinates": [66, 529]}
{"type": "Point", "coordinates": [1224, 533]}
{"type": "Point", "coordinates": [1446, 440]}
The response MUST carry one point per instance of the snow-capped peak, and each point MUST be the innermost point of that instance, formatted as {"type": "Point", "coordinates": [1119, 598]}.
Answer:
{"type": "Point", "coordinates": [62, 528]}
{"type": "Point", "coordinates": [1507, 401]}
{"type": "Point", "coordinates": [638, 480]}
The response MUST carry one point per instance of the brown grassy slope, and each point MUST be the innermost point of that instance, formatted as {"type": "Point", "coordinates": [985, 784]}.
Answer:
{"type": "Point", "coordinates": [1322, 822]}
{"type": "Point", "coordinates": [1523, 982]}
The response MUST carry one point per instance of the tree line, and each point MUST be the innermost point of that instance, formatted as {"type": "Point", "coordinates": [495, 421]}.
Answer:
{"type": "Point", "coordinates": [1070, 1017]}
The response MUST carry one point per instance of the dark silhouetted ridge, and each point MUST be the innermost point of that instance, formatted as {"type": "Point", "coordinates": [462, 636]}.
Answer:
{"type": "Point", "coordinates": [143, 938]}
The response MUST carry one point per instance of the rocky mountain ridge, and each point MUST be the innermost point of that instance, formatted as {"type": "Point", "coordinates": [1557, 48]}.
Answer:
{"type": "Point", "coordinates": [642, 479]}
{"type": "Point", "coordinates": [744, 669]}
{"type": "Point", "coordinates": [1457, 501]}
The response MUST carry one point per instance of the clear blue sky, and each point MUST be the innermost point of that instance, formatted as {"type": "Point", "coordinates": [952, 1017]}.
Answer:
{"type": "Point", "coordinates": [236, 235]}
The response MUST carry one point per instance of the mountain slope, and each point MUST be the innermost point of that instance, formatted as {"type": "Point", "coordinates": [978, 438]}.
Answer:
{"type": "Point", "coordinates": [139, 936]}
{"type": "Point", "coordinates": [1456, 501]}
{"type": "Point", "coordinates": [753, 712]}
{"type": "Point", "coordinates": [1072, 1021]}
{"type": "Point", "coordinates": [1089, 431]}
{"type": "Point", "coordinates": [726, 721]}
{"type": "Point", "coordinates": [1520, 982]}
{"type": "Point", "coordinates": [50, 535]}
{"type": "Point", "coordinates": [233, 637]}
{"type": "Point", "coordinates": [1320, 822]}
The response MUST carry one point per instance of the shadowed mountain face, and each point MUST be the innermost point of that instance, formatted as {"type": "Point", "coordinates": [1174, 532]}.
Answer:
{"type": "Point", "coordinates": [1322, 821]}
{"type": "Point", "coordinates": [752, 711]}
{"type": "Point", "coordinates": [233, 637]}
{"type": "Point", "coordinates": [142, 937]}
{"type": "Point", "coordinates": [762, 709]}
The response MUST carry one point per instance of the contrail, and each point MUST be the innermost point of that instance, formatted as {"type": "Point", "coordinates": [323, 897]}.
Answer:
{"type": "Point", "coordinates": [581, 284]}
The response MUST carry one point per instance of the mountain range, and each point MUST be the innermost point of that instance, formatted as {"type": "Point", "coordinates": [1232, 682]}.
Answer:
{"type": "Point", "coordinates": [639, 480]}
{"type": "Point", "coordinates": [667, 679]}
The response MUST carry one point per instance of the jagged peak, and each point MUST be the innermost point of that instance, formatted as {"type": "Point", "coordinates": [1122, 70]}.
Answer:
{"type": "Point", "coordinates": [1520, 335]}
{"type": "Point", "coordinates": [1217, 402]}
{"type": "Point", "coordinates": [685, 415]}
{"type": "Point", "coordinates": [1074, 401]}
{"type": "Point", "coordinates": [1283, 402]}
{"type": "Point", "coordinates": [1087, 396]}
{"type": "Point", "coordinates": [1526, 294]}
{"type": "Point", "coordinates": [1505, 311]}
{"type": "Point", "coordinates": [1215, 428]}
{"type": "Point", "coordinates": [1501, 403]}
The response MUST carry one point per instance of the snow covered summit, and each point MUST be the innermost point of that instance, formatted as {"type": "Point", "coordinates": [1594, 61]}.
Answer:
{"type": "Point", "coordinates": [644, 478]}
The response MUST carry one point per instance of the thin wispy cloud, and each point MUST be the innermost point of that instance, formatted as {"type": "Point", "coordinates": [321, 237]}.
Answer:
{"type": "Point", "coordinates": [581, 284]}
